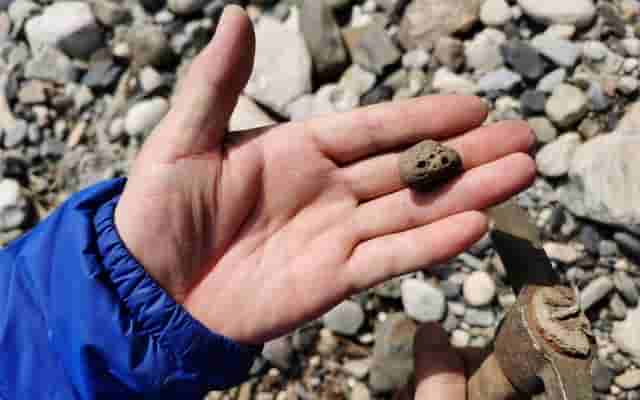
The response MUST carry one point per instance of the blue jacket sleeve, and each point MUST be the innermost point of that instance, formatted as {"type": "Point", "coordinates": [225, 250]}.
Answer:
{"type": "Point", "coordinates": [81, 319]}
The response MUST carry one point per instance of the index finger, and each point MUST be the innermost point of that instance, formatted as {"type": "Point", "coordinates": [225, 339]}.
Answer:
{"type": "Point", "coordinates": [380, 128]}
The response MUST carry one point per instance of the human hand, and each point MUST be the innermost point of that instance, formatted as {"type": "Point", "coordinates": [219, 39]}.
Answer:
{"type": "Point", "coordinates": [258, 235]}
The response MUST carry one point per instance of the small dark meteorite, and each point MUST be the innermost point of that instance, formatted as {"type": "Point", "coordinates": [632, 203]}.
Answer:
{"type": "Point", "coordinates": [428, 163]}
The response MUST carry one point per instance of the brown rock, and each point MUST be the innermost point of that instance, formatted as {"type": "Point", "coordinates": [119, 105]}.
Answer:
{"type": "Point", "coordinates": [426, 21]}
{"type": "Point", "coordinates": [427, 164]}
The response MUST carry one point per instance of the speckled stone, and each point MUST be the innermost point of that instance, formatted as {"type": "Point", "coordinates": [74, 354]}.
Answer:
{"type": "Point", "coordinates": [428, 163]}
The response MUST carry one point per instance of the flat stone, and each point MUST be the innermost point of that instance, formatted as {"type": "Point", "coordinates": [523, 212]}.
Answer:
{"type": "Point", "coordinates": [282, 70]}
{"type": "Point", "coordinates": [323, 37]}
{"type": "Point", "coordinates": [50, 64]}
{"type": "Point", "coordinates": [392, 363]}
{"type": "Point", "coordinates": [502, 79]}
{"type": "Point", "coordinates": [629, 244]}
{"type": "Point", "coordinates": [280, 353]}
{"type": "Point", "coordinates": [495, 13]}
{"type": "Point", "coordinates": [554, 159]}
{"type": "Point", "coordinates": [247, 115]}
{"type": "Point", "coordinates": [422, 301]}
{"type": "Point", "coordinates": [571, 12]}
{"type": "Point", "coordinates": [561, 252]}
{"type": "Point", "coordinates": [524, 59]}
{"type": "Point", "coordinates": [68, 25]}
{"type": "Point", "coordinates": [345, 319]}
{"type": "Point", "coordinates": [595, 291]}
{"type": "Point", "coordinates": [533, 102]}
{"type": "Point", "coordinates": [371, 47]}
{"type": "Point", "coordinates": [460, 339]}
{"type": "Point", "coordinates": [186, 7]}
{"type": "Point", "coordinates": [145, 115]}
{"type": "Point", "coordinates": [102, 74]}
{"type": "Point", "coordinates": [445, 81]}
{"type": "Point", "coordinates": [552, 80]}
{"type": "Point", "coordinates": [428, 163]}
{"type": "Point", "coordinates": [603, 180]}
{"type": "Point", "coordinates": [480, 317]}
{"type": "Point", "coordinates": [426, 21]}
{"type": "Point", "coordinates": [479, 289]}
{"type": "Point", "coordinates": [567, 105]}
{"type": "Point", "coordinates": [563, 53]}
{"type": "Point", "coordinates": [544, 130]}
{"type": "Point", "coordinates": [32, 92]}
{"type": "Point", "coordinates": [629, 380]}
{"type": "Point", "coordinates": [626, 287]}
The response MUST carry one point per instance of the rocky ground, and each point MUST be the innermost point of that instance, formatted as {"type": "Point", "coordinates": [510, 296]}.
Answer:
{"type": "Point", "coordinates": [83, 83]}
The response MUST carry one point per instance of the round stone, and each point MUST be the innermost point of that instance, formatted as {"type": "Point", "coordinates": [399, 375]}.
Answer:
{"type": "Point", "coordinates": [346, 318]}
{"type": "Point", "coordinates": [479, 289]}
{"type": "Point", "coordinates": [428, 163]}
{"type": "Point", "coordinates": [145, 115]}
{"type": "Point", "coordinates": [422, 301]}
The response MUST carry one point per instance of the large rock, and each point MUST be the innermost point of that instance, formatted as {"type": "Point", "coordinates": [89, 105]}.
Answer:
{"type": "Point", "coordinates": [604, 180]}
{"type": "Point", "coordinates": [324, 39]}
{"type": "Point", "coordinates": [282, 69]}
{"type": "Point", "coordinates": [570, 12]}
{"type": "Point", "coordinates": [426, 21]}
{"type": "Point", "coordinates": [69, 25]}
{"type": "Point", "coordinates": [371, 47]}
{"type": "Point", "coordinates": [392, 363]}
{"type": "Point", "coordinates": [567, 105]}
{"type": "Point", "coordinates": [553, 160]}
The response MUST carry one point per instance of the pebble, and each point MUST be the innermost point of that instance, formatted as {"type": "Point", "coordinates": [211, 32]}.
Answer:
{"type": "Point", "coordinates": [185, 7]}
{"type": "Point", "coordinates": [628, 380]}
{"type": "Point", "coordinates": [552, 80]}
{"type": "Point", "coordinates": [479, 317]}
{"type": "Point", "coordinates": [13, 212]}
{"type": "Point", "coordinates": [449, 52]}
{"type": "Point", "coordinates": [345, 319]}
{"type": "Point", "coordinates": [460, 338]}
{"type": "Point", "coordinates": [502, 79]}
{"type": "Point", "coordinates": [68, 25]}
{"type": "Point", "coordinates": [524, 59]}
{"type": "Point", "coordinates": [50, 64]}
{"type": "Point", "coordinates": [631, 46]}
{"type": "Point", "coordinates": [553, 160]}
{"type": "Point", "coordinates": [417, 58]}
{"type": "Point", "coordinates": [618, 307]}
{"type": "Point", "coordinates": [626, 287]}
{"type": "Point", "coordinates": [567, 105]}
{"type": "Point", "coordinates": [591, 239]}
{"type": "Point", "coordinates": [280, 353]}
{"type": "Point", "coordinates": [561, 252]}
{"type": "Point", "coordinates": [479, 289]}
{"type": "Point", "coordinates": [595, 291]}
{"type": "Point", "coordinates": [357, 368]}
{"type": "Point", "coordinates": [392, 363]}
{"type": "Point", "coordinates": [428, 163]}
{"type": "Point", "coordinates": [150, 79]}
{"type": "Point", "coordinates": [378, 94]}
{"type": "Point", "coordinates": [145, 115]}
{"type": "Point", "coordinates": [422, 301]}
{"type": "Point", "coordinates": [532, 102]}
{"type": "Point", "coordinates": [495, 13]}
{"type": "Point", "coordinates": [371, 47]}
{"type": "Point", "coordinates": [571, 12]}
{"type": "Point", "coordinates": [484, 52]}
{"type": "Point", "coordinates": [16, 135]}
{"type": "Point", "coordinates": [628, 85]}
{"type": "Point", "coordinates": [148, 45]}
{"type": "Point", "coordinates": [446, 81]}
{"type": "Point", "coordinates": [608, 248]}
{"type": "Point", "coordinates": [602, 377]}
{"type": "Point", "coordinates": [561, 52]}
{"type": "Point", "coordinates": [543, 128]}
{"type": "Point", "coordinates": [629, 244]}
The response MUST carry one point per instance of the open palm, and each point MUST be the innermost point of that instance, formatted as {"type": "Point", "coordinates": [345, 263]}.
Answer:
{"type": "Point", "coordinates": [257, 232]}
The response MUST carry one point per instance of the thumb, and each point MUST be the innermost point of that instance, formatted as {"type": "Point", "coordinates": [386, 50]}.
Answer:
{"type": "Point", "coordinates": [440, 372]}
{"type": "Point", "coordinates": [209, 92]}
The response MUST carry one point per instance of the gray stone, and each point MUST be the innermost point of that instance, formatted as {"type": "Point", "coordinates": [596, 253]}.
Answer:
{"type": "Point", "coordinates": [186, 7]}
{"type": "Point", "coordinates": [68, 25]}
{"type": "Point", "coordinates": [480, 317]}
{"type": "Point", "coordinates": [595, 291]}
{"type": "Point", "coordinates": [495, 13]}
{"type": "Point", "coordinates": [422, 301]}
{"type": "Point", "coordinates": [346, 318]}
{"type": "Point", "coordinates": [544, 129]}
{"type": "Point", "coordinates": [417, 58]}
{"type": "Point", "coordinates": [604, 180]}
{"type": "Point", "coordinates": [16, 135]}
{"type": "Point", "coordinates": [524, 59]}
{"type": "Point", "coordinates": [552, 80]}
{"type": "Point", "coordinates": [602, 377]}
{"type": "Point", "coordinates": [426, 21]}
{"type": "Point", "coordinates": [357, 80]}
{"type": "Point", "coordinates": [554, 159]}
{"type": "Point", "coordinates": [282, 70]}
{"type": "Point", "coordinates": [567, 105]}
{"type": "Point", "coordinates": [571, 12]}
{"type": "Point", "coordinates": [608, 248]}
{"type": "Point", "coordinates": [532, 102]}
{"type": "Point", "coordinates": [502, 79]}
{"type": "Point", "coordinates": [445, 81]}
{"type": "Point", "coordinates": [371, 47]}
{"type": "Point", "coordinates": [598, 99]}
{"type": "Point", "coordinates": [32, 92]}
{"type": "Point", "coordinates": [449, 52]}
{"type": "Point", "coordinates": [323, 38]}
{"type": "Point", "coordinates": [483, 53]}
{"type": "Point", "coordinates": [280, 353]}
{"type": "Point", "coordinates": [50, 64]}
{"type": "Point", "coordinates": [247, 115]}
{"type": "Point", "coordinates": [625, 334]}
{"type": "Point", "coordinates": [148, 45]}
{"type": "Point", "coordinates": [392, 363]}
{"type": "Point", "coordinates": [145, 115]}
{"type": "Point", "coordinates": [629, 245]}
{"type": "Point", "coordinates": [626, 287]}
{"type": "Point", "coordinates": [617, 307]}
{"type": "Point", "coordinates": [563, 53]}
{"type": "Point", "coordinates": [109, 12]}
{"type": "Point", "coordinates": [479, 289]}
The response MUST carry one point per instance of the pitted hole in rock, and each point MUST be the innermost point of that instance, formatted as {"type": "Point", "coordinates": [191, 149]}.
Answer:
{"type": "Point", "coordinates": [422, 164]}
